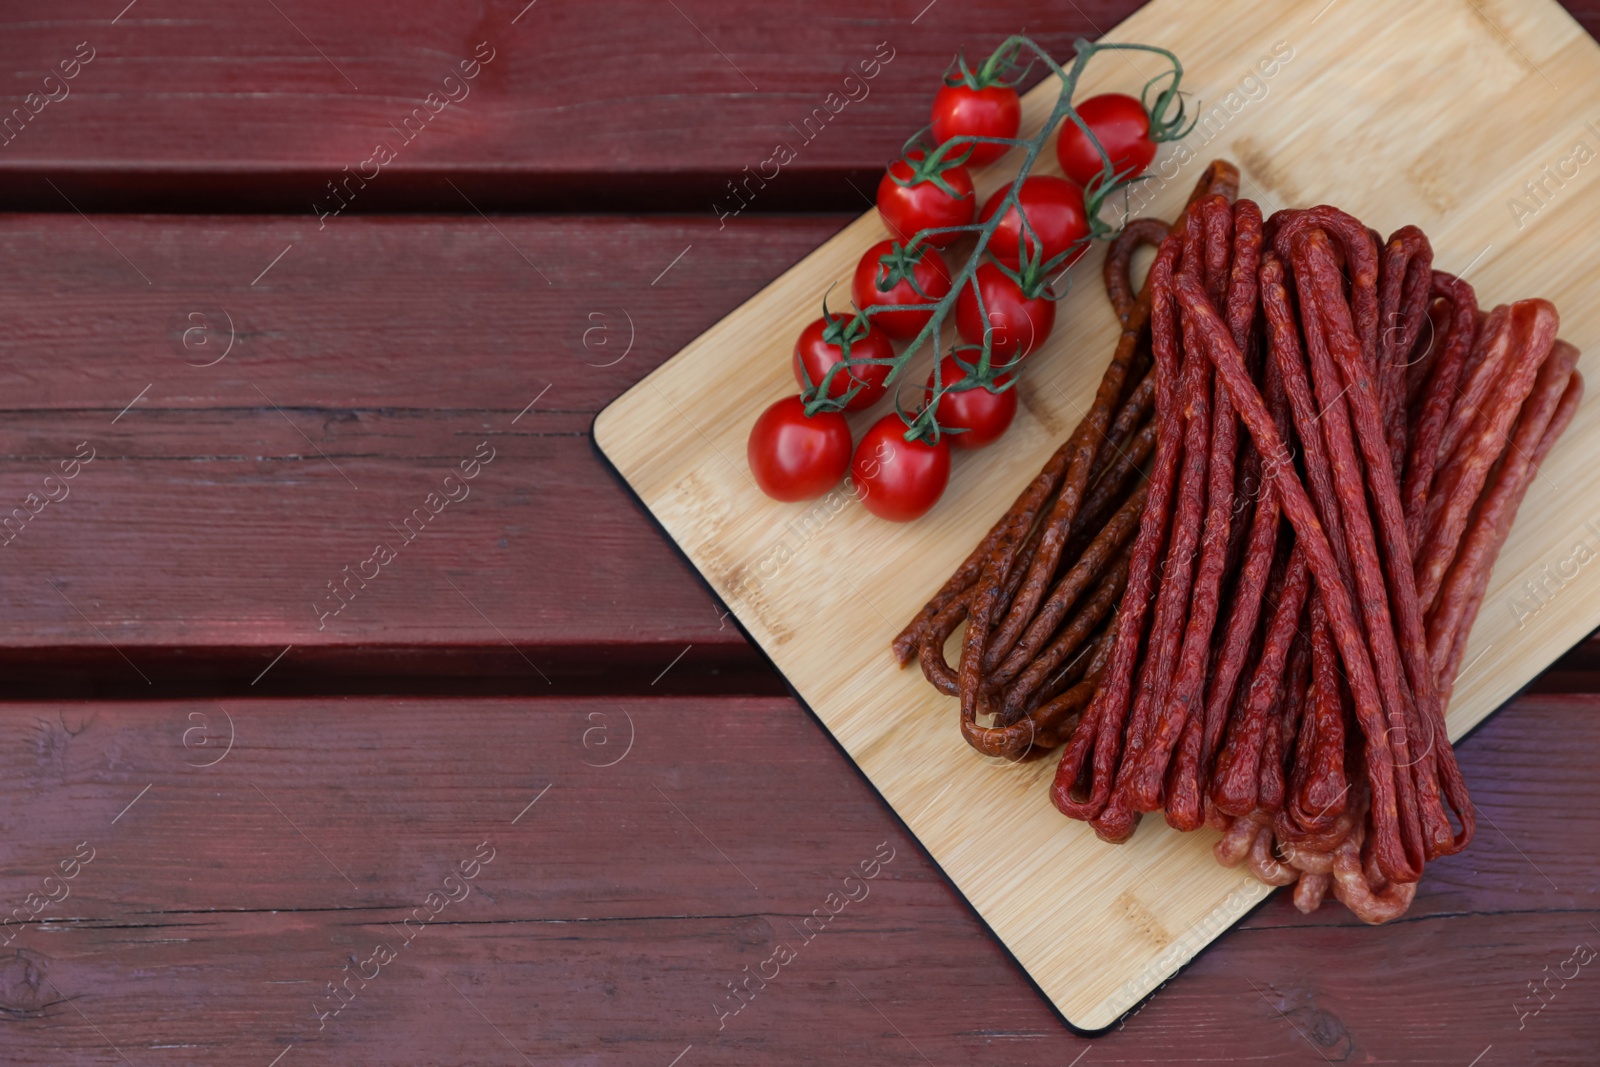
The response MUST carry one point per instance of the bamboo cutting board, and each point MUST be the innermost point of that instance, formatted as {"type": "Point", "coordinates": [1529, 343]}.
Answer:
{"type": "Point", "coordinates": [1456, 115]}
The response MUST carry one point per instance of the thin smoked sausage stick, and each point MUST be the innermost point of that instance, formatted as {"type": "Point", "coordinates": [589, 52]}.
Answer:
{"type": "Point", "coordinates": [1083, 621]}
{"type": "Point", "coordinates": [1359, 248]}
{"type": "Point", "coordinates": [1438, 396]}
{"type": "Point", "coordinates": [1393, 858]}
{"type": "Point", "coordinates": [1084, 445]}
{"type": "Point", "coordinates": [953, 610]}
{"type": "Point", "coordinates": [1534, 324]}
{"type": "Point", "coordinates": [1107, 494]}
{"type": "Point", "coordinates": [1423, 357]}
{"type": "Point", "coordinates": [931, 650]}
{"type": "Point", "coordinates": [1133, 412]}
{"type": "Point", "coordinates": [1405, 280]}
{"type": "Point", "coordinates": [1096, 745]}
{"type": "Point", "coordinates": [1185, 696]}
{"type": "Point", "coordinates": [1106, 477]}
{"type": "Point", "coordinates": [1318, 292]}
{"type": "Point", "coordinates": [1203, 734]}
{"type": "Point", "coordinates": [1284, 335]}
{"type": "Point", "coordinates": [1172, 600]}
{"type": "Point", "coordinates": [1558, 423]}
{"type": "Point", "coordinates": [1042, 725]}
{"type": "Point", "coordinates": [1068, 510]}
{"type": "Point", "coordinates": [1236, 781]}
{"type": "Point", "coordinates": [1529, 443]}
{"type": "Point", "coordinates": [1283, 728]}
{"type": "Point", "coordinates": [1384, 489]}
{"type": "Point", "coordinates": [1207, 239]}
{"type": "Point", "coordinates": [1118, 268]}
{"type": "Point", "coordinates": [1318, 788]}
{"type": "Point", "coordinates": [1057, 717]}
{"type": "Point", "coordinates": [1075, 637]}
{"type": "Point", "coordinates": [1037, 494]}
{"type": "Point", "coordinates": [1491, 348]}
{"type": "Point", "coordinates": [1026, 660]}
{"type": "Point", "coordinates": [1025, 508]}
{"type": "Point", "coordinates": [1006, 657]}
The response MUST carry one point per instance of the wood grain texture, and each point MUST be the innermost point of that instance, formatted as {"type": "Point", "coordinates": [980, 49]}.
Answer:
{"type": "Point", "coordinates": [637, 105]}
{"type": "Point", "coordinates": [365, 365]}
{"type": "Point", "coordinates": [617, 908]}
{"type": "Point", "coordinates": [630, 106]}
{"type": "Point", "coordinates": [1094, 947]}
{"type": "Point", "coordinates": [607, 922]}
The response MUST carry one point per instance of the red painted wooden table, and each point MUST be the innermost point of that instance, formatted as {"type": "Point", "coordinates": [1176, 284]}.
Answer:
{"type": "Point", "coordinates": [237, 782]}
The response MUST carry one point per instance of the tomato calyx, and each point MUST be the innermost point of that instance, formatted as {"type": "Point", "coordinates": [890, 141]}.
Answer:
{"type": "Point", "coordinates": [999, 69]}
{"type": "Point", "coordinates": [841, 331]}
{"type": "Point", "coordinates": [923, 426]}
{"type": "Point", "coordinates": [929, 167]}
{"type": "Point", "coordinates": [1031, 278]}
{"type": "Point", "coordinates": [899, 264]}
{"type": "Point", "coordinates": [981, 374]}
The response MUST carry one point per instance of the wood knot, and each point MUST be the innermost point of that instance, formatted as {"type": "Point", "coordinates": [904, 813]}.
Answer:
{"type": "Point", "coordinates": [1324, 1030]}
{"type": "Point", "coordinates": [24, 992]}
{"type": "Point", "coordinates": [755, 931]}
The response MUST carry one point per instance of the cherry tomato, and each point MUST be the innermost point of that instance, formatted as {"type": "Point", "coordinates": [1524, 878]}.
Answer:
{"type": "Point", "coordinates": [877, 282]}
{"type": "Point", "coordinates": [962, 111]}
{"type": "Point", "coordinates": [899, 480]}
{"type": "Point", "coordinates": [1054, 207]}
{"type": "Point", "coordinates": [794, 457]}
{"type": "Point", "coordinates": [1123, 127]}
{"type": "Point", "coordinates": [984, 415]}
{"type": "Point", "coordinates": [924, 205]}
{"type": "Point", "coordinates": [819, 348]}
{"type": "Point", "coordinates": [1019, 324]}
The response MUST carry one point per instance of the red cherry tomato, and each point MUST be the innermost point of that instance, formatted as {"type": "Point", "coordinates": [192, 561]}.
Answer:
{"type": "Point", "coordinates": [794, 457]}
{"type": "Point", "coordinates": [1055, 211]}
{"type": "Point", "coordinates": [962, 111]}
{"type": "Point", "coordinates": [924, 205]}
{"type": "Point", "coordinates": [819, 349]}
{"type": "Point", "coordinates": [984, 415]}
{"type": "Point", "coordinates": [1019, 324]}
{"type": "Point", "coordinates": [899, 480]}
{"type": "Point", "coordinates": [877, 282]}
{"type": "Point", "coordinates": [1123, 127]}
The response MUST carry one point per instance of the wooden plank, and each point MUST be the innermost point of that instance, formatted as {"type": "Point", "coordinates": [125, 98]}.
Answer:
{"type": "Point", "coordinates": [632, 106]}
{"type": "Point", "coordinates": [635, 105]}
{"type": "Point", "coordinates": [365, 365]}
{"type": "Point", "coordinates": [1094, 947]}
{"type": "Point", "coordinates": [616, 908]}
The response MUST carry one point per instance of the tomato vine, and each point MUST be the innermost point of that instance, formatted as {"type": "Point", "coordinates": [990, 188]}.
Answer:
{"type": "Point", "coordinates": [980, 370]}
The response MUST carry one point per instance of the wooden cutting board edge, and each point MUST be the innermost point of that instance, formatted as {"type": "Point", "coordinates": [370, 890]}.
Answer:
{"type": "Point", "coordinates": [1253, 894]}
